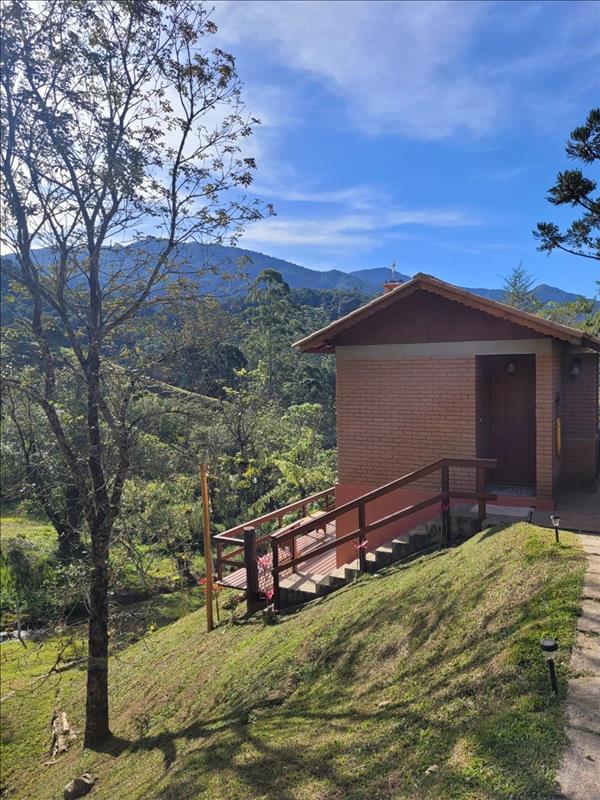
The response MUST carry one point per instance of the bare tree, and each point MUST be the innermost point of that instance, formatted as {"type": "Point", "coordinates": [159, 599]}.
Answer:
{"type": "Point", "coordinates": [120, 128]}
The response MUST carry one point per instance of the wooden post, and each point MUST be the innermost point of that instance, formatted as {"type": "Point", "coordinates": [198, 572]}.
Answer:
{"type": "Point", "coordinates": [251, 568]}
{"type": "Point", "coordinates": [362, 556]}
{"type": "Point", "coordinates": [275, 573]}
{"type": "Point", "coordinates": [219, 560]}
{"type": "Point", "coordinates": [207, 548]}
{"type": "Point", "coordinates": [446, 519]}
{"type": "Point", "coordinates": [481, 492]}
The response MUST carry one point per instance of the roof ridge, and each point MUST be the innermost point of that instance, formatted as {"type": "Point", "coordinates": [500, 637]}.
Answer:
{"type": "Point", "coordinates": [319, 342]}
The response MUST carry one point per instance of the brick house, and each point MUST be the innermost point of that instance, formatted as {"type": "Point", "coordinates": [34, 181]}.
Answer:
{"type": "Point", "coordinates": [443, 398]}
{"type": "Point", "coordinates": [428, 371]}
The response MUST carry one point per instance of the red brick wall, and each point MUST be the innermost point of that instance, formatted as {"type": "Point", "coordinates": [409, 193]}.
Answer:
{"type": "Point", "coordinates": [579, 419]}
{"type": "Point", "coordinates": [395, 415]}
{"type": "Point", "coordinates": [482, 409]}
{"type": "Point", "coordinates": [547, 388]}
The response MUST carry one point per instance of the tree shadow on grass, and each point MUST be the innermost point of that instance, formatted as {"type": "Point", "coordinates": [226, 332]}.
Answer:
{"type": "Point", "coordinates": [261, 759]}
{"type": "Point", "coordinates": [275, 751]}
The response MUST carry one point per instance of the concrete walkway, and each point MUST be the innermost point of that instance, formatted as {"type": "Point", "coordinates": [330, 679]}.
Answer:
{"type": "Point", "coordinates": [579, 773]}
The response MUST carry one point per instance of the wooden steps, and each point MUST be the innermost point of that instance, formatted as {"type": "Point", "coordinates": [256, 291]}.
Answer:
{"type": "Point", "coordinates": [301, 587]}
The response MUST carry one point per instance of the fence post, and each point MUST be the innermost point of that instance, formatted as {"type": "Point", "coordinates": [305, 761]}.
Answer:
{"type": "Point", "coordinates": [294, 552]}
{"type": "Point", "coordinates": [362, 556]}
{"type": "Point", "coordinates": [275, 573]}
{"type": "Point", "coordinates": [251, 568]}
{"type": "Point", "coordinates": [219, 562]}
{"type": "Point", "coordinates": [481, 506]}
{"type": "Point", "coordinates": [446, 519]}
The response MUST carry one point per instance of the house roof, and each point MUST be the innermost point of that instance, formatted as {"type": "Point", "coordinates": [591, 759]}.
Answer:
{"type": "Point", "coordinates": [324, 340]}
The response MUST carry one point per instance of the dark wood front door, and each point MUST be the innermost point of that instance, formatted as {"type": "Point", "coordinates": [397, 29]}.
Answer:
{"type": "Point", "coordinates": [512, 419]}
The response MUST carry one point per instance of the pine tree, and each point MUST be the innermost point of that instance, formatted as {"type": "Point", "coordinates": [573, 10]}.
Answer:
{"type": "Point", "coordinates": [572, 188]}
{"type": "Point", "coordinates": [518, 290]}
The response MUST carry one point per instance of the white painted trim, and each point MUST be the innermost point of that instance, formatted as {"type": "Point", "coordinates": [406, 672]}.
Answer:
{"type": "Point", "coordinates": [475, 348]}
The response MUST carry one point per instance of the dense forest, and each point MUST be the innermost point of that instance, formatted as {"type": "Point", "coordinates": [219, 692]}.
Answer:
{"type": "Point", "coordinates": [232, 393]}
{"type": "Point", "coordinates": [227, 389]}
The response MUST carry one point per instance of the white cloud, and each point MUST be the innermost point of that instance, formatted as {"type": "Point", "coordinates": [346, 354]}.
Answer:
{"type": "Point", "coordinates": [347, 230]}
{"type": "Point", "coordinates": [413, 67]}
{"type": "Point", "coordinates": [292, 190]}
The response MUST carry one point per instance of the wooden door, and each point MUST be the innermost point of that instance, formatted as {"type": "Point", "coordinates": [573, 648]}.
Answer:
{"type": "Point", "coordinates": [512, 419]}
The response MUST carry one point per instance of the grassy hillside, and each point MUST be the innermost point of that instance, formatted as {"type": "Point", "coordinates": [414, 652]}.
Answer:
{"type": "Point", "coordinates": [426, 682]}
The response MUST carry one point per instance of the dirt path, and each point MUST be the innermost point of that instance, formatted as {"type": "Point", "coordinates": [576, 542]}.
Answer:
{"type": "Point", "coordinates": [579, 773]}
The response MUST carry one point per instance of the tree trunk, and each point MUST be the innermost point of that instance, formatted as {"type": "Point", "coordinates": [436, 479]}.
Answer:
{"type": "Point", "coordinates": [69, 538]}
{"type": "Point", "coordinates": [96, 717]}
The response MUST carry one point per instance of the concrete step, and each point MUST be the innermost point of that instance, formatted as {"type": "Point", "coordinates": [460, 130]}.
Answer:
{"type": "Point", "coordinates": [401, 548]}
{"type": "Point", "coordinates": [464, 522]}
{"type": "Point", "coordinates": [352, 570]}
{"type": "Point", "coordinates": [300, 583]}
{"type": "Point", "coordinates": [385, 555]}
{"type": "Point", "coordinates": [299, 588]}
{"type": "Point", "coordinates": [334, 580]}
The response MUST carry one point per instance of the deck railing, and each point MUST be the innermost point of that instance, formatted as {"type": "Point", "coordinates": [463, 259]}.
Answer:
{"type": "Point", "coordinates": [286, 540]}
{"type": "Point", "coordinates": [235, 536]}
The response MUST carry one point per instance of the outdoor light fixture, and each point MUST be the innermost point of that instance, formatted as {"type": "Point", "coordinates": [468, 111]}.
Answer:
{"type": "Point", "coordinates": [549, 647]}
{"type": "Point", "coordinates": [511, 369]}
{"type": "Point", "coordinates": [574, 368]}
{"type": "Point", "coordinates": [555, 520]}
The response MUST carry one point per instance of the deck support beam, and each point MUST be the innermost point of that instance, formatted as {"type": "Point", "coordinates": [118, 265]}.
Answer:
{"type": "Point", "coordinates": [251, 569]}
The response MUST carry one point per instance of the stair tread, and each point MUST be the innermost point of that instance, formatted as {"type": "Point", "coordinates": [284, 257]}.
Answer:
{"type": "Point", "coordinates": [299, 583]}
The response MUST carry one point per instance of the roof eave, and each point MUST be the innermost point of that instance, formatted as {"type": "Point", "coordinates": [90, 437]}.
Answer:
{"type": "Point", "coordinates": [317, 343]}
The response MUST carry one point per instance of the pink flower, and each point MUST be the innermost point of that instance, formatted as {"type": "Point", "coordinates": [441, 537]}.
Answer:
{"type": "Point", "coordinates": [361, 546]}
{"type": "Point", "coordinates": [269, 595]}
{"type": "Point", "coordinates": [263, 562]}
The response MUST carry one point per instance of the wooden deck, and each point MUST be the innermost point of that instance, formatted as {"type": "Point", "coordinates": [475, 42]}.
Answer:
{"type": "Point", "coordinates": [320, 565]}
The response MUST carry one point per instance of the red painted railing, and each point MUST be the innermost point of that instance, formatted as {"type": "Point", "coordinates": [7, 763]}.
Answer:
{"type": "Point", "coordinates": [235, 535]}
{"type": "Point", "coordinates": [287, 539]}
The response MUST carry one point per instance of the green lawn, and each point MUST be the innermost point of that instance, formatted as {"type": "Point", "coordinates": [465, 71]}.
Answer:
{"type": "Point", "coordinates": [424, 683]}
{"type": "Point", "coordinates": [161, 575]}
{"type": "Point", "coordinates": [39, 533]}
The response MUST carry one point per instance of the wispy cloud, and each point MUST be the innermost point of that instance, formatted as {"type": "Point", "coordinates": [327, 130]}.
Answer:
{"type": "Point", "coordinates": [355, 197]}
{"type": "Point", "coordinates": [351, 230]}
{"type": "Point", "coordinates": [419, 68]}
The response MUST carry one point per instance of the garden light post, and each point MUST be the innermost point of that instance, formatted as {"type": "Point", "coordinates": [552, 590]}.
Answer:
{"type": "Point", "coordinates": [549, 647]}
{"type": "Point", "coordinates": [555, 520]}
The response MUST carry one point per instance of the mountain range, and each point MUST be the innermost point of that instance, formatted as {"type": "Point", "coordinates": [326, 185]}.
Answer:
{"type": "Point", "coordinates": [370, 281]}
{"type": "Point", "coordinates": [227, 259]}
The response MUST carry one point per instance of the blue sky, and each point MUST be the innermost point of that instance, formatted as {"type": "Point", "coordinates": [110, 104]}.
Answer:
{"type": "Point", "coordinates": [425, 132]}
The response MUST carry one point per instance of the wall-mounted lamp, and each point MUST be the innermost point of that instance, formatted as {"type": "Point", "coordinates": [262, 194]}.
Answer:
{"type": "Point", "coordinates": [574, 368]}
{"type": "Point", "coordinates": [511, 369]}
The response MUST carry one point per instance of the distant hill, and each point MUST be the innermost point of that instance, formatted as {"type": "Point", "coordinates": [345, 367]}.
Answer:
{"type": "Point", "coordinates": [543, 292]}
{"type": "Point", "coordinates": [226, 259]}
